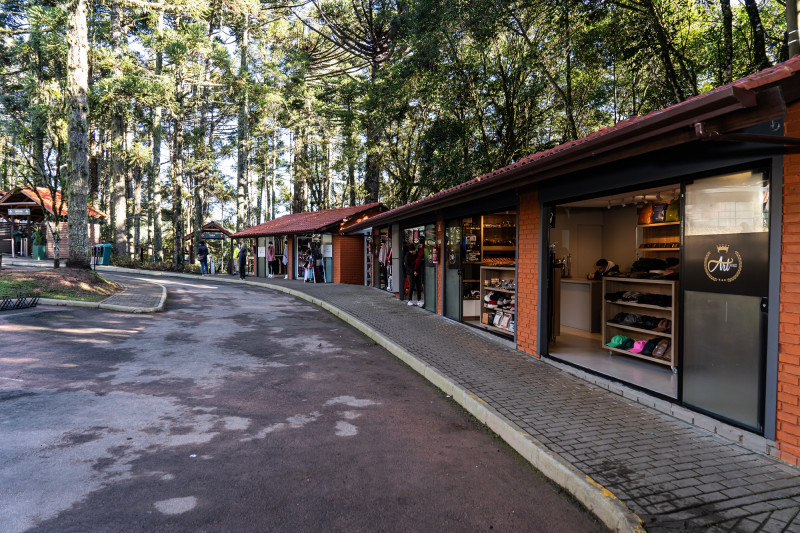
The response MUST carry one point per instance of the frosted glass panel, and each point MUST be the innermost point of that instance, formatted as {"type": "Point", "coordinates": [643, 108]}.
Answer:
{"type": "Point", "coordinates": [734, 203]}
{"type": "Point", "coordinates": [722, 354]}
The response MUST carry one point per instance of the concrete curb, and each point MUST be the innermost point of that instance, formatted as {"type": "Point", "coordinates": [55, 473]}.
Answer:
{"type": "Point", "coordinates": [600, 501]}
{"type": "Point", "coordinates": [110, 307]}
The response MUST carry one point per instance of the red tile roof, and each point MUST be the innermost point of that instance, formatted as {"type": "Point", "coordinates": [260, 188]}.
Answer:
{"type": "Point", "coordinates": [308, 222]}
{"type": "Point", "coordinates": [628, 127]}
{"type": "Point", "coordinates": [47, 201]}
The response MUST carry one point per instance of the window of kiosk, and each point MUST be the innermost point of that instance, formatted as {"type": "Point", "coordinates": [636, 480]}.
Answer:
{"type": "Point", "coordinates": [610, 316]}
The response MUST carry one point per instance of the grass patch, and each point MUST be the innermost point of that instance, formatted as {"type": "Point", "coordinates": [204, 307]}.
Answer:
{"type": "Point", "coordinates": [59, 284]}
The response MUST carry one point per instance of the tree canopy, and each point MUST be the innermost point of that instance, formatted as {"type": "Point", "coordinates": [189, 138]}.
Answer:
{"type": "Point", "coordinates": [247, 109]}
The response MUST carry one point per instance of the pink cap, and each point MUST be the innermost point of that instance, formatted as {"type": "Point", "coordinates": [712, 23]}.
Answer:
{"type": "Point", "coordinates": [638, 346]}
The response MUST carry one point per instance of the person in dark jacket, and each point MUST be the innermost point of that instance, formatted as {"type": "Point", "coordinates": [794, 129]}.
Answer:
{"type": "Point", "coordinates": [412, 275]}
{"type": "Point", "coordinates": [242, 261]}
{"type": "Point", "coordinates": [603, 267]}
{"type": "Point", "coordinates": [202, 255]}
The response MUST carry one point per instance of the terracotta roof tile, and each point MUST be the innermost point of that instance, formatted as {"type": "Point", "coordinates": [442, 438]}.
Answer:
{"type": "Point", "coordinates": [48, 204]}
{"type": "Point", "coordinates": [306, 222]}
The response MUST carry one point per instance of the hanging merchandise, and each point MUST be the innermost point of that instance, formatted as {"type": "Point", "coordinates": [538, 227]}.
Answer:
{"type": "Point", "coordinates": [673, 213]}
{"type": "Point", "coordinates": [435, 254]}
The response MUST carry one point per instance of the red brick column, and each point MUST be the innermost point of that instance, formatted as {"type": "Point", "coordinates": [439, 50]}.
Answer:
{"type": "Point", "coordinates": [528, 271]}
{"type": "Point", "coordinates": [348, 259]}
{"type": "Point", "coordinates": [787, 435]}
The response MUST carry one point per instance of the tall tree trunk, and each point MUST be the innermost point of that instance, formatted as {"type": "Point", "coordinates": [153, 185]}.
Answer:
{"type": "Point", "coordinates": [154, 181]}
{"type": "Point", "coordinates": [792, 36]}
{"type": "Point", "coordinates": [177, 179]}
{"type": "Point", "coordinates": [118, 206]}
{"type": "Point", "coordinates": [300, 172]}
{"type": "Point", "coordinates": [78, 87]}
{"type": "Point", "coordinates": [242, 176]}
{"type": "Point", "coordinates": [760, 60]}
{"type": "Point", "coordinates": [727, 41]}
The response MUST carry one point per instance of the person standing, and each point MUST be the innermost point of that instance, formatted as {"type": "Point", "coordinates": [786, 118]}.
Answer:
{"type": "Point", "coordinates": [286, 259]}
{"type": "Point", "coordinates": [409, 260]}
{"type": "Point", "coordinates": [236, 258]}
{"type": "Point", "coordinates": [17, 241]}
{"type": "Point", "coordinates": [242, 261]}
{"type": "Point", "coordinates": [202, 255]}
{"type": "Point", "coordinates": [419, 264]}
{"type": "Point", "coordinates": [271, 260]}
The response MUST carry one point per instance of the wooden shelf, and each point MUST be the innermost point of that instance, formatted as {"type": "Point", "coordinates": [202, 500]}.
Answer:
{"type": "Point", "coordinates": [658, 225]}
{"type": "Point", "coordinates": [639, 330]}
{"type": "Point", "coordinates": [499, 248]}
{"type": "Point", "coordinates": [642, 306]}
{"type": "Point", "coordinates": [642, 249]}
{"type": "Point", "coordinates": [498, 289]}
{"type": "Point", "coordinates": [664, 362]}
{"type": "Point", "coordinates": [504, 331]}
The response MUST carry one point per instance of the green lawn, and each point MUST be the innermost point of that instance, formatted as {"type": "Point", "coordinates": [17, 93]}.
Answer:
{"type": "Point", "coordinates": [60, 284]}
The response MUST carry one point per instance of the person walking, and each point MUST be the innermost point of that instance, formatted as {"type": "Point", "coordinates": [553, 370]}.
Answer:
{"type": "Point", "coordinates": [202, 255]}
{"type": "Point", "coordinates": [242, 261]}
{"type": "Point", "coordinates": [271, 260]}
{"type": "Point", "coordinates": [286, 259]}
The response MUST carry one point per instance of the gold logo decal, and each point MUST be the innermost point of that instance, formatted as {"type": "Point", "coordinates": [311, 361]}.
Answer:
{"type": "Point", "coordinates": [725, 269]}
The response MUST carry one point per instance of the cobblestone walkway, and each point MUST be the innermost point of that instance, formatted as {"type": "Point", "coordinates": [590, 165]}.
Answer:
{"type": "Point", "coordinates": [675, 476]}
{"type": "Point", "coordinates": [138, 292]}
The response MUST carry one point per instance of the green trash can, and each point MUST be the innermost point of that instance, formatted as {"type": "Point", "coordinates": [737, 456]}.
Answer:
{"type": "Point", "coordinates": [106, 258]}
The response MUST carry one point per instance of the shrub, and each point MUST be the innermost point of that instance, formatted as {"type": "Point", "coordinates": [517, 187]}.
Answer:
{"type": "Point", "coordinates": [163, 266]}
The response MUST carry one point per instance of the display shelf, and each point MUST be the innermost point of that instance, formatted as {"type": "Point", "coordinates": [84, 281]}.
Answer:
{"type": "Point", "coordinates": [645, 286]}
{"type": "Point", "coordinates": [499, 248]}
{"type": "Point", "coordinates": [496, 272]}
{"type": "Point", "coordinates": [666, 234]}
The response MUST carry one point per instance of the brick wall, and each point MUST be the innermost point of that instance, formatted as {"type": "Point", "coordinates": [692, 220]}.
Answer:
{"type": "Point", "coordinates": [63, 245]}
{"type": "Point", "coordinates": [348, 259]}
{"type": "Point", "coordinates": [788, 408]}
{"type": "Point", "coordinates": [528, 271]}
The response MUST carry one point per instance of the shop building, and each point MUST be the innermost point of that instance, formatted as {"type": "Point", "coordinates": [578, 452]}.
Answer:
{"type": "Point", "coordinates": [696, 207]}
{"type": "Point", "coordinates": [23, 210]}
{"type": "Point", "coordinates": [341, 256]}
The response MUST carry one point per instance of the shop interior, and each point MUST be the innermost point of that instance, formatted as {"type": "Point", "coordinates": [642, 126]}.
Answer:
{"type": "Point", "coordinates": [488, 266]}
{"type": "Point", "coordinates": [623, 322]}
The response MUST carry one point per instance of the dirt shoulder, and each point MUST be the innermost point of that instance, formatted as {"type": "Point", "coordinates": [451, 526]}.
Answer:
{"type": "Point", "coordinates": [60, 284]}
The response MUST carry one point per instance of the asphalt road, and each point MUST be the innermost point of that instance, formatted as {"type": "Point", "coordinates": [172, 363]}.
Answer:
{"type": "Point", "coordinates": [242, 409]}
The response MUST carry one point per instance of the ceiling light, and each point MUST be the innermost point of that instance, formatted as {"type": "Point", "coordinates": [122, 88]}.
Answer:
{"type": "Point", "coordinates": [609, 204]}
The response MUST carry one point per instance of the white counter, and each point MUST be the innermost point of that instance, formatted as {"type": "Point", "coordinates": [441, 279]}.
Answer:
{"type": "Point", "coordinates": [581, 303]}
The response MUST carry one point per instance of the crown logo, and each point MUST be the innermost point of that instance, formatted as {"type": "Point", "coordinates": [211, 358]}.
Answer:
{"type": "Point", "coordinates": [723, 248]}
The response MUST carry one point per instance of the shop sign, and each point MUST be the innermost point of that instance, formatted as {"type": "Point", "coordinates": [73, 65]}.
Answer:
{"type": "Point", "coordinates": [723, 265]}
{"type": "Point", "coordinates": [262, 251]}
{"type": "Point", "coordinates": [20, 211]}
{"type": "Point", "coordinates": [731, 263]}
{"type": "Point", "coordinates": [215, 236]}
{"type": "Point", "coordinates": [327, 250]}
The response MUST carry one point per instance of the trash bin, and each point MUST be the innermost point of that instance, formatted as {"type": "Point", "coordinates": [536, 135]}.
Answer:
{"type": "Point", "coordinates": [105, 259]}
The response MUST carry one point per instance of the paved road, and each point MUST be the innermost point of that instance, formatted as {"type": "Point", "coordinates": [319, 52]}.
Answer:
{"type": "Point", "coordinates": [242, 409]}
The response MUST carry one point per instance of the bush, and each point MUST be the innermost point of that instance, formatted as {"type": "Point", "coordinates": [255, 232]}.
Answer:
{"type": "Point", "coordinates": [163, 266]}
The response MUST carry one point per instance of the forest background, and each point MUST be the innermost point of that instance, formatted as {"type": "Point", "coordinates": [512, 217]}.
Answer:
{"type": "Point", "coordinates": [168, 114]}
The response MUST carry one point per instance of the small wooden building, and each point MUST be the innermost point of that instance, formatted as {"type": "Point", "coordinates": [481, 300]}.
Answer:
{"type": "Point", "coordinates": [24, 209]}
